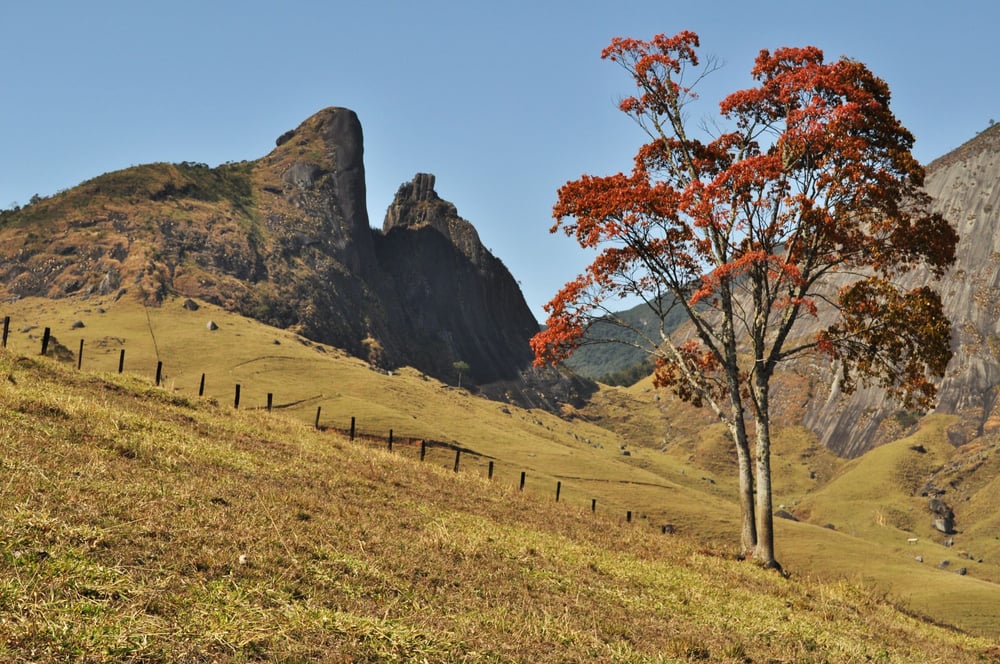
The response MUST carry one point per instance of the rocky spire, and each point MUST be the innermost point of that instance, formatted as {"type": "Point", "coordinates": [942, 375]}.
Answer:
{"type": "Point", "coordinates": [448, 281]}
{"type": "Point", "coordinates": [417, 204]}
{"type": "Point", "coordinates": [320, 165]}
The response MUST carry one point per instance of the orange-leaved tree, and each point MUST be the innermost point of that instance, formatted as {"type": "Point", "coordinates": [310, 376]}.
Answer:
{"type": "Point", "coordinates": [805, 203]}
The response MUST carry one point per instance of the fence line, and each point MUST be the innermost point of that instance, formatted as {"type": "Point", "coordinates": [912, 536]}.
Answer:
{"type": "Point", "coordinates": [352, 433]}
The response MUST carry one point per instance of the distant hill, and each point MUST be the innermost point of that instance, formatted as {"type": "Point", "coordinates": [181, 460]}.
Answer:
{"type": "Point", "coordinates": [615, 353]}
{"type": "Point", "coordinates": [285, 239]}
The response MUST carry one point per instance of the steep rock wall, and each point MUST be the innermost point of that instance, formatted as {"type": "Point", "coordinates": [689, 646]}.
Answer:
{"type": "Point", "coordinates": [458, 300]}
{"type": "Point", "coordinates": [965, 185]}
{"type": "Point", "coordinates": [285, 239]}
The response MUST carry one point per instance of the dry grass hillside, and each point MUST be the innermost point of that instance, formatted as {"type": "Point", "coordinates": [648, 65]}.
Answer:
{"type": "Point", "coordinates": [144, 523]}
{"type": "Point", "coordinates": [864, 518]}
{"type": "Point", "coordinates": [141, 525]}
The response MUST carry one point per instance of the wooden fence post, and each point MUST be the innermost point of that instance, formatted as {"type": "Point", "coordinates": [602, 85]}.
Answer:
{"type": "Point", "coordinates": [489, 473]}
{"type": "Point", "coordinates": [236, 399]}
{"type": "Point", "coordinates": [628, 516]}
{"type": "Point", "coordinates": [6, 329]}
{"type": "Point", "coordinates": [458, 455]}
{"type": "Point", "coordinates": [79, 356]}
{"type": "Point", "coordinates": [45, 340]}
{"type": "Point", "coordinates": [423, 449]}
{"type": "Point", "coordinates": [121, 361]}
{"type": "Point", "coordinates": [270, 399]}
{"type": "Point", "coordinates": [521, 487]}
{"type": "Point", "coordinates": [159, 372]}
{"type": "Point", "coordinates": [318, 409]}
{"type": "Point", "coordinates": [558, 489]}
{"type": "Point", "coordinates": [352, 429]}
{"type": "Point", "coordinates": [201, 386]}
{"type": "Point", "coordinates": [390, 440]}
{"type": "Point", "coordinates": [593, 504]}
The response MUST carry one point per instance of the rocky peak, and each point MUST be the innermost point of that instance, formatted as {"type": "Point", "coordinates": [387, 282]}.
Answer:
{"type": "Point", "coordinates": [332, 136]}
{"type": "Point", "coordinates": [417, 204]}
{"type": "Point", "coordinates": [447, 280]}
{"type": "Point", "coordinates": [410, 194]}
{"type": "Point", "coordinates": [318, 168]}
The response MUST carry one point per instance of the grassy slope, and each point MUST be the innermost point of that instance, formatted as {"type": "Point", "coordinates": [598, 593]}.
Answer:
{"type": "Point", "coordinates": [682, 477]}
{"type": "Point", "coordinates": [141, 525]}
{"type": "Point", "coordinates": [873, 499]}
{"type": "Point", "coordinates": [303, 377]}
{"type": "Point", "coordinates": [869, 502]}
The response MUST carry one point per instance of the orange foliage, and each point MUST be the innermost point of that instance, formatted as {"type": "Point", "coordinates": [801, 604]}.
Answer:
{"type": "Point", "coordinates": [815, 175]}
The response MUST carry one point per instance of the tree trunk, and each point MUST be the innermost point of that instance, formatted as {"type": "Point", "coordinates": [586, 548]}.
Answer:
{"type": "Point", "coordinates": [748, 531]}
{"type": "Point", "coordinates": [764, 552]}
{"type": "Point", "coordinates": [738, 428]}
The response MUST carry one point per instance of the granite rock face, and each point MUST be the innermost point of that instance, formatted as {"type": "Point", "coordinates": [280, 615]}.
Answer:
{"type": "Point", "coordinates": [965, 186]}
{"type": "Point", "coordinates": [285, 239]}
{"type": "Point", "coordinates": [458, 301]}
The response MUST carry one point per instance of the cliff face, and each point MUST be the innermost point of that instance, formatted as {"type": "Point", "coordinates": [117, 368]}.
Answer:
{"type": "Point", "coordinates": [285, 239]}
{"type": "Point", "coordinates": [455, 297]}
{"type": "Point", "coordinates": [965, 185]}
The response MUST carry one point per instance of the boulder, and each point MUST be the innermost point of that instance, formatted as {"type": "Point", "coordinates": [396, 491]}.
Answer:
{"type": "Point", "coordinates": [941, 508]}
{"type": "Point", "coordinates": [944, 525]}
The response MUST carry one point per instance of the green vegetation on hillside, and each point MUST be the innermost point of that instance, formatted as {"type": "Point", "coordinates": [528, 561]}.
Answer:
{"type": "Point", "coordinates": [144, 525]}
{"type": "Point", "coordinates": [617, 353]}
{"type": "Point", "coordinates": [230, 182]}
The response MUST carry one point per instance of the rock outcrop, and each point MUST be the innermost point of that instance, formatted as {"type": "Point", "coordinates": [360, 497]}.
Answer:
{"type": "Point", "coordinates": [965, 186]}
{"type": "Point", "coordinates": [285, 239]}
{"type": "Point", "coordinates": [458, 301]}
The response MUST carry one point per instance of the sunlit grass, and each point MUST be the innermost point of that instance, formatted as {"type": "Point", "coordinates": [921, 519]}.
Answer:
{"type": "Point", "coordinates": [142, 525]}
{"type": "Point", "coordinates": [204, 461]}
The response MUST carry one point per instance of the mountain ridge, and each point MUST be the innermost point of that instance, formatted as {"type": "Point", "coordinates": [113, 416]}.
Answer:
{"type": "Point", "coordinates": [285, 239]}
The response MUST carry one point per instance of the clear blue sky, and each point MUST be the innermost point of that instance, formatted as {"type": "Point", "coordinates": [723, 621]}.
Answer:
{"type": "Point", "coordinates": [502, 101]}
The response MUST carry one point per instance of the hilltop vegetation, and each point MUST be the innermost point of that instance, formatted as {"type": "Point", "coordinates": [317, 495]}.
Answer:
{"type": "Point", "coordinates": [138, 185]}
{"type": "Point", "coordinates": [614, 362]}
{"type": "Point", "coordinates": [144, 525]}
